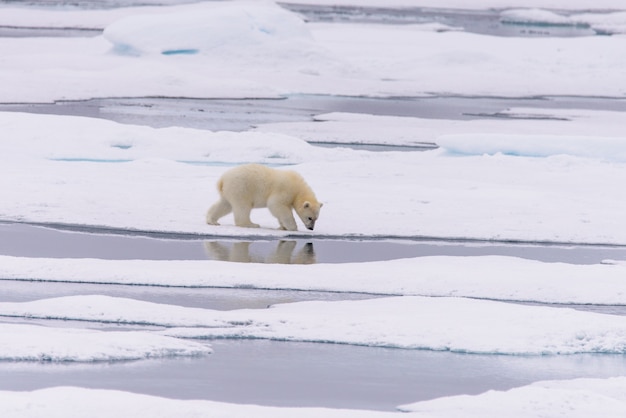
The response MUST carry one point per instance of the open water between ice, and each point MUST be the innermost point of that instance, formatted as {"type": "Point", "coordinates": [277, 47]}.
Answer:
{"type": "Point", "coordinates": [316, 375]}
{"type": "Point", "coordinates": [76, 241]}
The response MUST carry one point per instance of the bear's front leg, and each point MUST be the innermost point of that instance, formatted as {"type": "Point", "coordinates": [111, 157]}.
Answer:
{"type": "Point", "coordinates": [284, 215]}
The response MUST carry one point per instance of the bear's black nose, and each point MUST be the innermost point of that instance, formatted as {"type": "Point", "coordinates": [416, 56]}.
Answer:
{"type": "Point", "coordinates": [310, 227]}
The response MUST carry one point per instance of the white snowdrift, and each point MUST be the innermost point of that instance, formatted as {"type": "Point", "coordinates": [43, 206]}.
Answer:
{"type": "Point", "coordinates": [494, 278]}
{"type": "Point", "coordinates": [410, 322]}
{"type": "Point", "coordinates": [577, 398]}
{"type": "Point", "coordinates": [222, 28]}
{"type": "Point", "coordinates": [21, 342]}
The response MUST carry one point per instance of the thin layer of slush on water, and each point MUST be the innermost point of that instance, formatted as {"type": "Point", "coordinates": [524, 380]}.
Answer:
{"type": "Point", "coordinates": [23, 240]}
{"type": "Point", "coordinates": [313, 375]}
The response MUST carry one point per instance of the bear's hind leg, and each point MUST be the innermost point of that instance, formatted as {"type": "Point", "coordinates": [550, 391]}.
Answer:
{"type": "Point", "coordinates": [218, 210]}
{"type": "Point", "coordinates": [242, 217]}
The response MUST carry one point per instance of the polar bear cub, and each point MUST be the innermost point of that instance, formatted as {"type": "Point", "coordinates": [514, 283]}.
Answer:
{"type": "Point", "coordinates": [255, 186]}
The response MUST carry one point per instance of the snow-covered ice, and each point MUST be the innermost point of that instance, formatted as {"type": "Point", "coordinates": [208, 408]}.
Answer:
{"type": "Point", "coordinates": [574, 398]}
{"type": "Point", "coordinates": [324, 58]}
{"type": "Point", "coordinates": [38, 343]}
{"type": "Point", "coordinates": [535, 199]}
{"type": "Point", "coordinates": [487, 277]}
{"type": "Point", "coordinates": [411, 322]}
{"type": "Point", "coordinates": [549, 175]}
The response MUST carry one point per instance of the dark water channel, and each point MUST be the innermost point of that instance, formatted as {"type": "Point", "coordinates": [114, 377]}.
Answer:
{"type": "Point", "coordinates": [25, 240]}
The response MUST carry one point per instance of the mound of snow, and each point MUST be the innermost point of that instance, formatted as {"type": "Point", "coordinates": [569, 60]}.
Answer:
{"type": "Point", "coordinates": [534, 17]}
{"type": "Point", "coordinates": [232, 28]}
{"type": "Point", "coordinates": [74, 138]}
{"type": "Point", "coordinates": [572, 398]}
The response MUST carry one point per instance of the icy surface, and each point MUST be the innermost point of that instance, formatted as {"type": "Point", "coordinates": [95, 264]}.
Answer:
{"type": "Point", "coordinates": [214, 29]}
{"type": "Point", "coordinates": [410, 322]}
{"type": "Point", "coordinates": [78, 171]}
{"type": "Point", "coordinates": [488, 277]}
{"type": "Point", "coordinates": [574, 398]}
{"type": "Point", "coordinates": [37, 343]}
{"type": "Point", "coordinates": [256, 57]}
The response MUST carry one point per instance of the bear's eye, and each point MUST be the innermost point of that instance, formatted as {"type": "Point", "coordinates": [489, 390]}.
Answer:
{"type": "Point", "coordinates": [309, 218]}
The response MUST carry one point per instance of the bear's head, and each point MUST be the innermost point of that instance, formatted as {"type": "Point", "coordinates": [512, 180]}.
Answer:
{"type": "Point", "coordinates": [309, 212]}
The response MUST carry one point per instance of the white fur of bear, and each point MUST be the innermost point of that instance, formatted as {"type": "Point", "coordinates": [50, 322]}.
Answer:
{"type": "Point", "coordinates": [250, 186]}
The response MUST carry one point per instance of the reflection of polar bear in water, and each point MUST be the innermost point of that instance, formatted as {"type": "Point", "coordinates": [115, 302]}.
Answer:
{"type": "Point", "coordinates": [252, 186]}
{"type": "Point", "coordinates": [240, 252]}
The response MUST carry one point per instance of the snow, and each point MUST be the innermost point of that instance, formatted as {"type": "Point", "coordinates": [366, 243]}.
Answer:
{"type": "Point", "coordinates": [486, 277]}
{"type": "Point", "coordinates": [546, 175]}
{"type": "Point", "coordinates": [215, 29]}
{"type": "Point", "coordinates": [409, 322]}
{"type": "Point", "coordinates": [322, 58]}
{"type": "Point", "coordinates": [67, 402]}
{"type": "Point", "coordinates": [575, 398]}
{"type": "Point", "coordinates": [562, 125]}
{"type": "Point", "coordinates": [177, 194]}
{"type": "Point", "coordinates": [534, 16]}
{"type": "Point", "coordinates": [38, 343]}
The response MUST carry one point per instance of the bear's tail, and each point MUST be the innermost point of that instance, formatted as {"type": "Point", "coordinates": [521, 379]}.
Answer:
{"type": "Point", "coordinates": [220, 185]}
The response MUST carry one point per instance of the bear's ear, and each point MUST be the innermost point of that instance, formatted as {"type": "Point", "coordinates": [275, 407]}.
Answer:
{"type": "Point", "coordinates": [307, 204]}
{"type": "Point", "coordinates": [321, 204]}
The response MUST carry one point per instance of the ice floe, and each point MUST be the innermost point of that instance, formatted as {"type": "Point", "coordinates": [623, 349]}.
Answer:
{"type": "Point", "coordinates": [410, 322]}
{"type": "Point", "coordinates": [213, 28]}
{"type": "Point", "coordinates": [21, 342]}
{"type": "Point", "coordinates": [77, 170]}
{"type": "Point", "coordinates": [488, 277]}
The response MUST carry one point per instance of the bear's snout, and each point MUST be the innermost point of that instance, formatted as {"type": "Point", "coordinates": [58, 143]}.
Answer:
{"type": "Point", "coordinates": [310, 227]}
